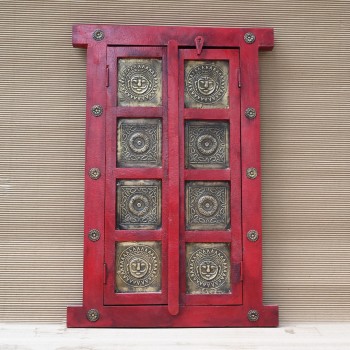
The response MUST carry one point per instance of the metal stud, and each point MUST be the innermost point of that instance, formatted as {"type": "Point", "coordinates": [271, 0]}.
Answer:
{"type": "Point", "coordinates": [253, 235]}
{"type": "Point", "coordinates": [98, 35]}
{"type": "Point", "coordinates": [252, 173]}
{"type": "Point", "coordinates": [250, 113]}
{"type": "Point", "coordinates": [97, 110]}
{"type": "Point", "coordinates": [249, 38]}
{"type": "Point", "coordinates": [94, 173]}
{"type": "Point", "coordinates": [94, 235]}
{"type": "Point", "coordinates": [93, 315]}
{"type": "Point", "coordinates": [253, 315]}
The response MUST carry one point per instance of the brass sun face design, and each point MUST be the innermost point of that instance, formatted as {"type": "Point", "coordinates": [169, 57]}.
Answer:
{"type": "Point", "coordinates": [206, 84]}
{"type": "Point", "coordinates": [208, 268]}
{"type": "Point", "coordinates": [139, 82]}
{"type": "Point", "coordinates": [138, 267]}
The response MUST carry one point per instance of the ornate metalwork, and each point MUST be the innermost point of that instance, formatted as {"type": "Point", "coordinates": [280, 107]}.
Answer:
{"type": "Point", "coordinates": [249, 38]}
{"type": "Point", "coordinates": [138, 267]}
{"type": "Point", "coordinates": [208, 268]}
{"type": "Point", "coordinates": [95, 173]}
{"type": "Point", "coordinates": [97, 110]}
{"type": "Point", "coordinates": [207, 205]}
{"type": "Point", "coordinates": [250, 113]}
{"type": "Point", "coordinates": [253, 315]}
{"type": "Point", "coordinates": [98, 35]}
{"type": "Point", "coordinates": [252, 173]}
{"type": "Point", "coordinates": [93, 315]}
{"type": "Point", "coordinates": [139, 204]}
{"type": "Point", "coordinates": [140, 143]}
{"type": "Point", "coordinates": [207, 145]}
{"type": "Point", "coordinates": [140, 82]}
{"type": "Point", "coordinates": [206, 84]}
{"type": "Point", "coordinates": [253, 235]}
{"type": "Point", "coordinates": [94, 235]}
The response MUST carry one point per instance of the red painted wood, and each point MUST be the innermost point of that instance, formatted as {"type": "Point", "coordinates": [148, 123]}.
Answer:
{"type": "Point", "coordinates": [174, 205]}
{"type": "Point", "coordinates": [177, 308]}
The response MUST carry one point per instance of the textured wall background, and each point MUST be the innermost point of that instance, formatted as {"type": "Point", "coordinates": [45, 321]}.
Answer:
{"type": "Point", "coordinates": [305, 84]}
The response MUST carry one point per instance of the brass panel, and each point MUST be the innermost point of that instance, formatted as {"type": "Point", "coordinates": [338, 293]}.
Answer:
{"type": "Point", "coordinates": [208, 268]}
{"type": "Point", "coordinates": [207, 145]}
{"type": "Point", "coordinates": [138, 267]}
{"type": "Point", "coordinates": [207, 205]}
{"type": "Point", "coordinates": [139, 143]}
{"type": "Point", "coordinates": [138, 204]}
{"type": "Point", "coordinates": [139, 82]}
{"type": "Point", "coordinates": [206, 84]}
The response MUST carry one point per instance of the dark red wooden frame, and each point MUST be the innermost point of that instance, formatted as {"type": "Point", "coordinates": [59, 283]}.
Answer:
{"type": "Point", "coordinates": [170, 308]}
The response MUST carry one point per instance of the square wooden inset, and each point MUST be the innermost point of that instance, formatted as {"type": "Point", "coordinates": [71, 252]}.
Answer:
{"type": "Point", "coordinates": [206, 84]}
{"type": "Point", "coordinates": [139, 204]}
{"type": "Point", "coordinates": [207, 145]}
{"type": "Point", "coordinates": [139, 82]}
{"type": "Point", "coordinates": [207, 205]}
{"type": "Point", "coordinates": [138, 267]}
{"type": "Point", "coordinates": [208, 268]}
{"type": "Point", "coordinates": [139, 143]}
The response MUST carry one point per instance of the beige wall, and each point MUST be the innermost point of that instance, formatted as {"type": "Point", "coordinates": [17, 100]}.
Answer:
{"type": "Point", "coordinates": [305, 84]}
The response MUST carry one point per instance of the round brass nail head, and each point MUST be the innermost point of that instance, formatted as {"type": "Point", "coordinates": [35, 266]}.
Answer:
{"type": "Point", "coordinates": [98, 35]}
{"type": "Point", "coordinates": [249, 38]}
{"type": "Point", "coordinates": [94, 173]}
{"type": "Point", "coordinates": [250, 113]}
{"type": "Point", "coordinates": [252, 173]}
{"type": "Point", "coordinates": [97, 110]}
{"type": "Point", "coordinates": [253, 235]}
{"type": "Point", "coordinates": [253, 315]}
{"type": "Point", "coordinates": [93, 315]}
{"type": "Point", "coordinates": [94, 235]}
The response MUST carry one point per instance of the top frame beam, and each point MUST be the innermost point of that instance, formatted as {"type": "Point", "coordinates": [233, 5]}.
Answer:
{"type": "Point", "coordinates": [160, 36]}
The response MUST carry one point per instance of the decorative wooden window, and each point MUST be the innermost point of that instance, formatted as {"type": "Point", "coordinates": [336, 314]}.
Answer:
{"type": "Point", "coordinates": [172, 197]}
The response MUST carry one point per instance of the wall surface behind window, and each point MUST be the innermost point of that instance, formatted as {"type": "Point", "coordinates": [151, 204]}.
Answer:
{"type": "Point", "coordinates": [305, 100]}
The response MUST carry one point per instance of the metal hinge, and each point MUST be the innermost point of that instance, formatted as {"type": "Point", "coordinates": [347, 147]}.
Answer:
{"type": "Point", "coordinates": [239, 77]}
{"type": "Point", "coordinates": [107, 76]}
{"type": "Point", "coordinates": [104, 273]}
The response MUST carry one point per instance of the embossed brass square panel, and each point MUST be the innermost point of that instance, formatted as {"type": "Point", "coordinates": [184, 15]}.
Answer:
{"type": "Point", "coordinates": [207, 145]}
{"type": "Point", "coordinates": [139, 204]}
{"type": "Point", "coordinates": [139, 143]}
{"type": "Point", "coordinates": [138, 267]}
{"type": "Point", "coordinates": [206, 84]}
{"type": "Point", "coordinates": [207, 205]}
{"type": "Point", "coordinates": [139, 82]}
{"type": "Point", "coordinates": [208, 268]}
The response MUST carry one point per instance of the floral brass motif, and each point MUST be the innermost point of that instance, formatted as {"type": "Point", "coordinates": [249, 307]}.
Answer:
{"type": "Point", "coordinates": [207, 205]}
{"type": "Point", "coordinates": [138, 267]}
{"type": "Point", "coordinates": [253, 235]}
{"type": "Point", "coordinates": [94, 235]}
{"type": "Point", "coordinates": [253, 315]}
{"type": "Point", "coordinates": [250, 113]}
{"type": "Point", "coordinates": [98, 35]}
{"type": "Point", "coordinates": [139, 82]}
{"type": "Point", "coordinates": [97, 110]}
{"type": "Point", "coordinates": [207, 145]}
{"type": "Point", "coordinates": [208, 268]}
{"type": "Point", "coordinates": [139, 143]}
{"type": "Point", "coordinates": [94, 173]}
{"type": "Point", "coordinates": [251, 173]}
{"type": "Point", "coordinates": [249, 38]}
{"type": "Point", "coordinates": [206, 84]}
{"type": "Point", "coordinates": [93, 315]}
{"type": "Point", "coordinates": [138, 204]}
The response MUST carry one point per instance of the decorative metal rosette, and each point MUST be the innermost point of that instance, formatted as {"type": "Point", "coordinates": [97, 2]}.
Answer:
{"type": "Point", "coordinates": [93, 315]}
{"type": "Point", "coordinates": [98, 35]}
{"type": "Point", "coordinates": [97, 110]}
{"type": "Point", "coordinates": [208, 268]}
{"type": "Point", "coordinates": [253, 315]}
{"type": "Point", "coordinates": [138, 265]}
{"type": "Point", "coordinates": [250, 113]}
{"type": "Point", "coordinates": [139, 142]}
{"type": "Point", "coordinates": [94, 173]}
{"type": "Point", "coordinates": [94, 235]}
{"type": "Point", "coordinates": [206, 83]}
{"type": "Point", "coordinates": [249, 38]}
{"type": "Point", "coordinates": [253, 235]}
{"type": "Point", "coordinates": [139, 205]}
{"type": "Point", "coordinates": [138, 82]}
{"type": "Point", "coordinates": [207, 205]}
{"type": "Point", "coordinates": [252, 173]}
